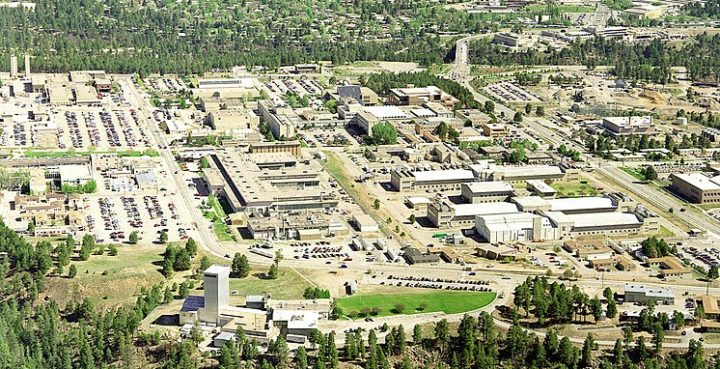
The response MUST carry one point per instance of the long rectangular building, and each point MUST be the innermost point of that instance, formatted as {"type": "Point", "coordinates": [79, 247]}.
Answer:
{"type": "Point", "coordinates": [264, 183]}
{"type": "Point", "coordinates": [449, 179]}
{"type": "Point", "coordinates": [696, 187]}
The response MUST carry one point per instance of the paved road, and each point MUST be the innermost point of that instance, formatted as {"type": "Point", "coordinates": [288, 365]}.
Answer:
{"type": "Point", "coordinates": [206, 238]}
{"type": "Point", "coordinates": [661, 200]}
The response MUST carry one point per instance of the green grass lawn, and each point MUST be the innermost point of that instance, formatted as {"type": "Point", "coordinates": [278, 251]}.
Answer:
{"type": "Point", "coordinates": [217, 216]}
{"type": "Point", "coordinates": [449, 302]}
{"type": "Point", "coordinates": [664, 232]}
{"type": "Point", "coordinates": [574, 189]}
{"type": "Point", "coordinates": [633, 172]}
{"type": "Point", "coordinates": [288, 285]}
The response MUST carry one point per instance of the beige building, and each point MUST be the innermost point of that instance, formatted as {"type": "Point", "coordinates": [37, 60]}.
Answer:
{"type": "Point", "coordinates": [232, 120]}
{"type": "Point", "coordinates": [696, 187]}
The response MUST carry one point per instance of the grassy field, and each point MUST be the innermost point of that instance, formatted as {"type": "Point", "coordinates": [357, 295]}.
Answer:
{"type": "Point", "coordinates": [574, 189]}
{"type": "Point", "coordinates": [288, 285]}
{"type": "Point", "coordinates": [449, 302]}
{"type": "Point", "coordinates": [109, 280]}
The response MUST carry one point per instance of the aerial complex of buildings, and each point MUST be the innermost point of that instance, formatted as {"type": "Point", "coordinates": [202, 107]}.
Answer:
{"type": "Point", "coordinates": [367, 182]}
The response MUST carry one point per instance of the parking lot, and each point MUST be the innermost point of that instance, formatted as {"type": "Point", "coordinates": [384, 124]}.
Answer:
{"type": "Point", "coordinates": [301, 87]}
{"type": "Point", "coordinates": [511, 92]}
{"type": "Point", "coordinates": [113, 218]}
{"type": "Point", "coordinates": [166, 84]}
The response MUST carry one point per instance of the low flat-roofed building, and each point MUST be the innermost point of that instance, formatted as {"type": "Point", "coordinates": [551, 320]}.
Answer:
{"type": "Point", "coordinates": [444, 213]}
{"type": "Point", "coordinates": [494, 130]}
{"type": "Point", "coordinates": [85, 95]}
{"type": "Point", "coordinates": [710, 306]}
{"type": "Point", "coordinates": [448, 179]}
{"type": "Point", "coordinates": [479, 192]}
{"type": "Point", "coordinates": [644, 294]}
{"type": "Point", "coordinates": [365, 223]}
{"type": "Point", "coordinates": [74, 175]}
{"type": "Point", "coordinates": [214, 84]}
{"type": "Point", "coordinates": [670, 267]}
{"type": "Point", "coordinates": [624, 263]}
{"type": "Point", "coordinates": [292, 147]}
{"type": "Point", "coordinates": [59, 94]}
{"type": "Point", "coordinates": [414, 256]}
{"type": "Point", "coordinates": [296, 322]}
{"type": "Point", "coordinates": [103, 85]}
{"type": "Point", "coordinates": [493, 152]}
{"type": "Point", "coordinates": [369, 116]}
{"type": "Point", "coordinates": [696, 187]}
{"type": "Point", "coordinates": [585, 248]}
{"type": "Point", "coordinates": [475, 116]}
{"type": "Point", "coordinates": [418, 203]}
{"type": "Point", "coordinates": [420, 96]}
{"type": "Point", "coordinates": [645, 11]}
{"type": "Point", "coordinates": [625, 126]}
{"type": "Point", "coordinates": [231, 120]}
{"type": "Point", "coordinates": [515, 227]}
{"type": "Point", "coordinates": [259, 184]}
{"type": "Point", "coordinates": [507, 39]}
{"type": "Point", "coordinates": [307, 68]}
{"type": "Point", "coordinates": [588, 224]}
{"type": "Point", "coordinates": [601, 262]}
{"type": "Point", "coordinates": [302, 227]}
{"type": "Point", "coordinates": [540, 188]}
{"type": "Point", "coordinates": [517, 174]}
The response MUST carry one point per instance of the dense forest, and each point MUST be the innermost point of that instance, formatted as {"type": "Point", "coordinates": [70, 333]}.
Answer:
{"type": "Point", "coordinates": [705, 9]}
{"type": "Point", "coordinates": [642, 61]}
{"type": "Point", "coordinates": [188, 37]}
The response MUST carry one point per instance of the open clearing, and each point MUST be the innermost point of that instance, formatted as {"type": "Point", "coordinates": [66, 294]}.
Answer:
{"type": "Point", "coordinates": [288, 285]}
{"type": "Point", "coordinates": [110, 280]}
{"type": "Point", "coordinates": [415, 302]}
{"type": "Point", "coordinates": [574, 189]}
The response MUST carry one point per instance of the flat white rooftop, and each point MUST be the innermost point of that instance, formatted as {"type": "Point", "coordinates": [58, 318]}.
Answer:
{"type": "Point", "coordinates": [580, 203]}
{"type": "Point", "coordinates": [595, 219]}
{"type": "Point", "coordinates": [484, 209]}
{"type": "Point", "coordinates": [700, 181]}
{"type": "Point", "coordinates": [386, 112]}
{"type": "Point", "coordinates": [445, 175]}
{"type": "Point", "coordinates": [489, 186]}
{"type": "Point", "coordinates": [510, 222]}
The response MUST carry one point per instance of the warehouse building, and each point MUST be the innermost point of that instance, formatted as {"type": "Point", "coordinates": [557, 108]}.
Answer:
{"type": "Point", "coordinates": [515, 227]}
{"type": "Point", "coordinates": [644, 294]}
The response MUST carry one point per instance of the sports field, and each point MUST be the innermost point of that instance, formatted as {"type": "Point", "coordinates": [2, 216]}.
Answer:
{"type": "Point", "coordinates": [384, 304]}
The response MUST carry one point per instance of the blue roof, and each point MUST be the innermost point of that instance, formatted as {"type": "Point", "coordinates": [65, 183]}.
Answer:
{"type": "Point", "coordinates": [193, 303]}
